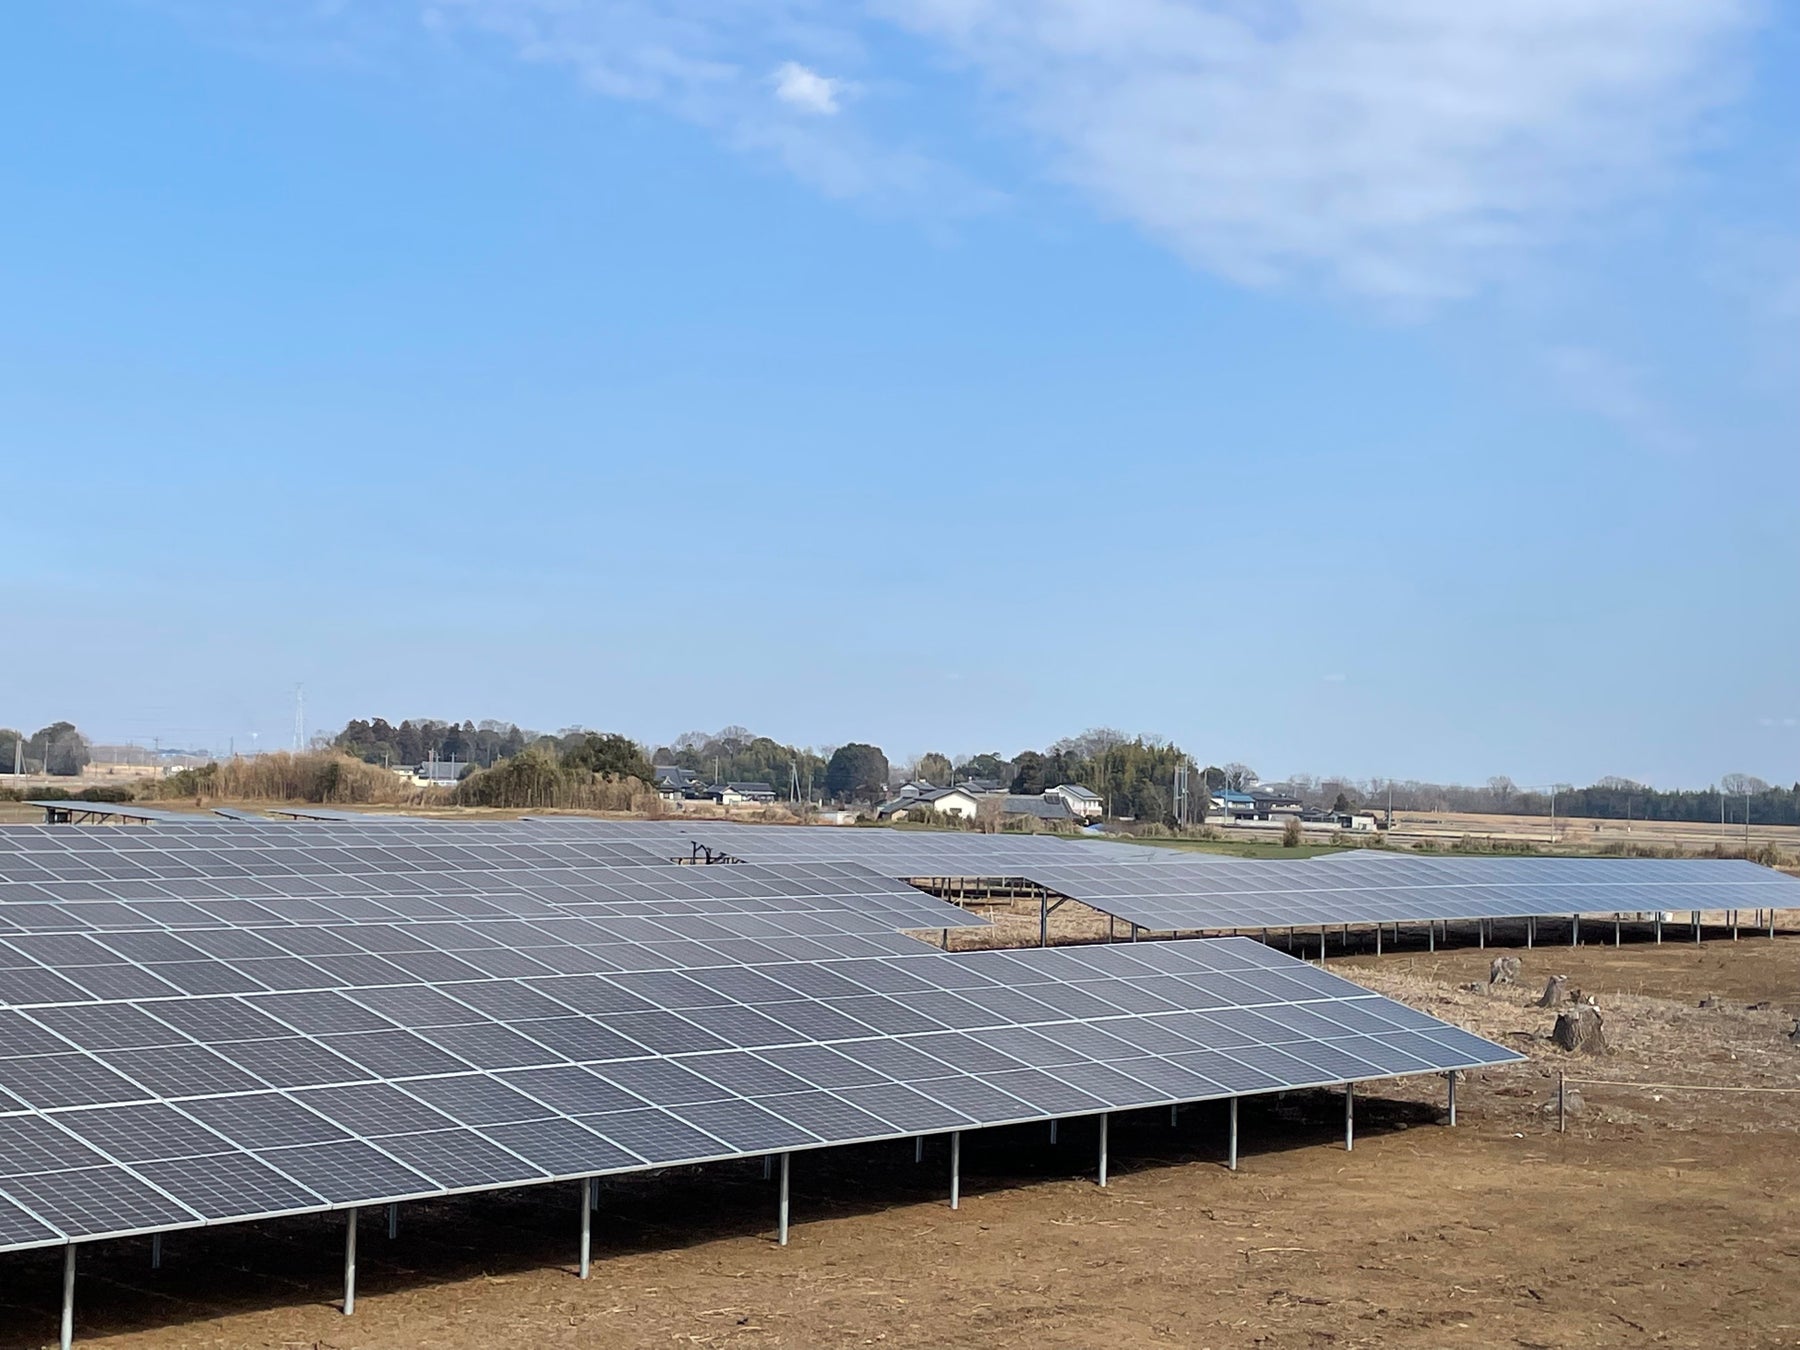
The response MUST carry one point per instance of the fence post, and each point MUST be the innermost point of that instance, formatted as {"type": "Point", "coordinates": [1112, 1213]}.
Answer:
{"type": "Point", "coordinates": [1562, 1104]}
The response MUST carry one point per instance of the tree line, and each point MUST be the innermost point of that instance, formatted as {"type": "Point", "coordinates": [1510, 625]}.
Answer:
{"type": "Point", "coordinates": [58, 749]}
{"type": "Point", "coordinates": [1733, 797]}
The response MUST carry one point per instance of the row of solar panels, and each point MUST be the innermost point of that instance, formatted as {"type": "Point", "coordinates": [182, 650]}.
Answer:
{"type": "Point", "coordinates": [1159, 890]}
{"type": "Point", "coordinates": [189, 1042]}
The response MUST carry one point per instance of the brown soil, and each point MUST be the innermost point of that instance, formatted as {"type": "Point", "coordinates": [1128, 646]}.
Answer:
{"type": "Point", "coordinates": [1661, 1217]}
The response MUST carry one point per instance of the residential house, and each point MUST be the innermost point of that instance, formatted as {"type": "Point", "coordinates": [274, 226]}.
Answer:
{"type": "Point", "coordinates": [950, 801]}
{"type": "Point", "coordinates": [674, 784]}
{"type": "Point", "coordinates": [439, 772]}
{"type": "Point", "coordinates": [1083, 803]}
{"type": "Point", "coordinates": [1270, 803]}
{"type": "Point", "coordinates": [1232, 804]}
{"type": "Point", "coordinates": [761, 793]}
{"type": "Point", "coordinates": [1046, 809]}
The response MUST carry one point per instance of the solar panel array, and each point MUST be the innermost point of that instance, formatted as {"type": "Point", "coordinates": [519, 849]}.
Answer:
{"type": "Point", "coordinates": [1227, 893]}
{"type": "Point", "coordinates": [220, 1022]}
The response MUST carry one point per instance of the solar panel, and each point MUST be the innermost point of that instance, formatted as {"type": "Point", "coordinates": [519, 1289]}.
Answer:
{"type": "Point", "coordinates": [1232, 894]}
{"type": "Point", "coordinates": [459, 1093]}
{"type": "Point", "coordinates": [357, 1011]}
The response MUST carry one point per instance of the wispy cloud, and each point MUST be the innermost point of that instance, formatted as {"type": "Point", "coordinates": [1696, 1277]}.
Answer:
{"type": "Point", "coordinates": [1409, 150]}
{"type": "Point", "coordinates": [1619, 393]}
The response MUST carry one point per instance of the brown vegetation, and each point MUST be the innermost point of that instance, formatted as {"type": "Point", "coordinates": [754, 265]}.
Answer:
{"type": "Point", "coordinates": [321, 776]}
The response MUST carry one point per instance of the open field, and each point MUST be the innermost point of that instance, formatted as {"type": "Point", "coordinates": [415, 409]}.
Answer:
{"type": "Point", "coordinates": [1585, 834]}
{"type": "Point", "coordinates": [1661, 1218]}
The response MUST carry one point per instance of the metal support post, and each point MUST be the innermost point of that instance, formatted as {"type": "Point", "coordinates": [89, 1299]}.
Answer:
{"type": "Point", "coordinates": [587, 1224]}
{"type": "Point", "coordinates": [1349, 1116]}
{"type": "Point", "coordinates": [1696, 927]}
{"type": "Point", "coordinates": [393, 1222]}
{"type": "Point", "coordinates": [1231, 1148]}
{"type": "Point", "coordinates": [1530, 930]}
{"type": "Point", "coordinates": [1044, 919]}
{"type": "Point", "coordinates": [956, 1169]}
{"type": "Point", "coordinates": [1575, 930]}
{"type": "Point", "coordinates": [68, 1303]}
{"type": "Point", "coordinates": [1562, 1104]}
{"type": "Point", "coordinates": [156, 1251]}
{"type": "Point", "coordinates": [782, 1224]}
{"type": "Point", "coordinates": [1450, 1078]}
{"type": "Point", "coordinates": [1378, 939]}
{"type": "Point", "coordinates": [919, 1149]}
{"type": "Point", "coordinates": [1321, 944]}
{"type": "Point", "coordinates": [1104, 1119]}
{"type": "Point", "coordinates": [768, 1165]}
{"type": "Point", "coordinates": [1431, 935]}
{"type": "Point", "coordinates": [1053, 1132]}
{"type": "Point", "coordinates": [1617, 924]}
{"type": "Point", "coordinates": [350, 1261]}
{"type": "Point", "coordinates": [1173, 1117]}
{"type": "Point", "coordinates": [1771, 923]}
{"type": "Point", "coordinates": [1734, 925]}
{"type": "Point", "coordinates": [1659, 928]}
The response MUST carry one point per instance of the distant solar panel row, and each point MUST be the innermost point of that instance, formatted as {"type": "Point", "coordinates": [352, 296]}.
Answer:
{"type": "Point", "coordinates": [1226, 894]}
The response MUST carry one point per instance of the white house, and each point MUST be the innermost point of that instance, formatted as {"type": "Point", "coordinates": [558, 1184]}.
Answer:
{"type": "Point", "coordinates": [952, 801]}
{"type": "Point", "coordinates": [1083, 803]}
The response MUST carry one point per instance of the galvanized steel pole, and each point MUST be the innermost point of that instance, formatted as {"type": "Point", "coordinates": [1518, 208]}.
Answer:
{"type": "Point", "coordinates": [350, 1262]}
{"type": "Point", "coordinates": [782, 1224]}
{"type": "Point", "coordinates": [68, 1299]}
{"type": "Point", "coordinates": [587, 1224]}
{"type": "Point", "coordinates": [955, 1169]}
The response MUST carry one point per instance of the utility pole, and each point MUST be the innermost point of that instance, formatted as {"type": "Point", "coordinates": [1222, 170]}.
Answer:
{"type": "Point", "coordinates": [299, 718]}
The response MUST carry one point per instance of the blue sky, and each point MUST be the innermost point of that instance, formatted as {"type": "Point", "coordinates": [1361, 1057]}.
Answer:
{"type": "Point", "coordinates": [1383, 387]}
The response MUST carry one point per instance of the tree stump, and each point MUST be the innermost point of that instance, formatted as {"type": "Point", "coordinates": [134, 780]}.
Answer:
{"type": "Point", "coordinates": [1581, 1030]}
{"type": "Point", "coordinates": [1554, 991]}
{"type": "Point", "coordinates": [1794, 1035]}
{"type": "Point", "coordinates": [1504, 970]}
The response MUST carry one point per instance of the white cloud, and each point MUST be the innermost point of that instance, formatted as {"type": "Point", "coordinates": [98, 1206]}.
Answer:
{"type": "Point", "coordinates": [1405, 149]}
{"type": "Point", "coordinates": [807, 90]}
{"type": "Point", "coordinates": [1412, 151]}
{"type": "Point", "coordinates": [1334, 679]}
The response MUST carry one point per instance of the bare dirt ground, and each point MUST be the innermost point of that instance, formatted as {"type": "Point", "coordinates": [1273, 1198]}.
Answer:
{"type": "Point", "coordinates": [1661, 1218]}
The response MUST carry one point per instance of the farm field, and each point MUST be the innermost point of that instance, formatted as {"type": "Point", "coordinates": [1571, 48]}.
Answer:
{"type": "Point", "coordinates": [1661, 1217]}
{"type": "Point", "coordinates": [1580, 834]}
